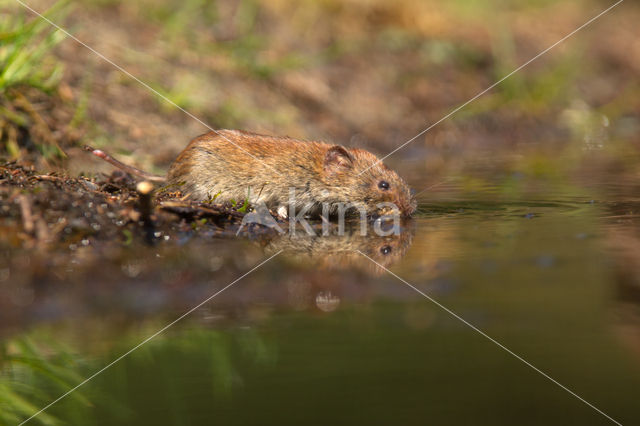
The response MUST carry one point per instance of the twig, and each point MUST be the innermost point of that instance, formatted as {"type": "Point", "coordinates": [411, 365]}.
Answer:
{"type": "Point", "coordinates": [119, 164]}
{"type": "Point", "coordinates": [49, 178]}
{"type": "Point", "coordinates": [145, 192]}
{"type": "Point", "coordinates": [188, 211]}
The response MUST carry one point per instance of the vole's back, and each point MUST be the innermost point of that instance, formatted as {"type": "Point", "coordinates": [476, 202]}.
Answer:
{"type": "Point", "coordinates": [231, 164]}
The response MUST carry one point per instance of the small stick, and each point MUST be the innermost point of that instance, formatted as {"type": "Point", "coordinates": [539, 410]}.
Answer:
{"type": "Point", "coordinates": [129, 169]}
{"type": "Point", "coordinates": [145, 191]}
{"type": "Point", "coordinates": [49, 178]}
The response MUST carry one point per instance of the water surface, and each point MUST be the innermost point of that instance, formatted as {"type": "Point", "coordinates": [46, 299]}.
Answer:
{"type": "Point", "coordinates": [320, 334]}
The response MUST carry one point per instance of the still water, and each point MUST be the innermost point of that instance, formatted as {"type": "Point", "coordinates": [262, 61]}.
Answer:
{"type": "Point", "coordinates": [321, 335]}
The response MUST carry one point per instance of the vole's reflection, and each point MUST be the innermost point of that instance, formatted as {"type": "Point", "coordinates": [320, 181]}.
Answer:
{"type": "Point", "coordinates": [342, 248]}
{"type": "Point", "coordinates": [325, 268]}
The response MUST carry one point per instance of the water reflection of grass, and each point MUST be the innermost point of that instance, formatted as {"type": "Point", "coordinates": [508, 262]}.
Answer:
{"type": "Point", "coordinates": [376, 363]}
{"type": "Point", "coordinates": [33, 374]}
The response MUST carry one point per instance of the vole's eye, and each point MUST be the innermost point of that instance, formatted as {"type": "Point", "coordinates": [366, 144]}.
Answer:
{"type": "Point", "coordinates": [384, 185]}
{"type": "Point", "coordinates": [385, 250]}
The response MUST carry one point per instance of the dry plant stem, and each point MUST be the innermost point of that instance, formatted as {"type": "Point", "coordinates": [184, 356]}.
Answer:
{"type": "Point", "coordinates": [189, 210]}
{"type": "Point", "coordinates": [129, 169]}
{"type": "Point", "coordinates": [49, 178]}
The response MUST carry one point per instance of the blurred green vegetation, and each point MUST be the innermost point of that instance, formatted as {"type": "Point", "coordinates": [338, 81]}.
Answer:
{"type": "Point", "coordinates": [231, 63]}
{"type": "Point", "coordinates": [28, 70]}
{"type": "Point", "coordinates": [339, 69]}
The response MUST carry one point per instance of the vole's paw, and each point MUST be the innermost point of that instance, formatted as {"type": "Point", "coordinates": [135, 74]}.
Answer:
{"type": "Point", "coordinates": [283, 212]}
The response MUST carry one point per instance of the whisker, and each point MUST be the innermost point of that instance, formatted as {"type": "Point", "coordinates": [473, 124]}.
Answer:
{"type": "Point", "coordinates": [432, 186]}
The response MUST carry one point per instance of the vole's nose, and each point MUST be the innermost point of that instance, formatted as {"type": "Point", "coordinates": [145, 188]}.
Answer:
{"type": "Point", "coordinates": [413, 205]}
{"type": "Point", "coordinates": [407, 207]}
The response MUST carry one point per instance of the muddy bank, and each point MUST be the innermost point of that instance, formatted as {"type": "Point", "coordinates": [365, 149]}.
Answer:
{"type": "Point", "coordinates": [61, 212]}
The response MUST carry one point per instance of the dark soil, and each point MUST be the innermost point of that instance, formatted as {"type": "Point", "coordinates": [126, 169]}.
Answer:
{"type": "Point", "coordinates": [56, 211]}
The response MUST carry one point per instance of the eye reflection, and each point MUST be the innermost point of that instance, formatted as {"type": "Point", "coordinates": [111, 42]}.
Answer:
{"type": "Point", "coordinates": [385, 250]}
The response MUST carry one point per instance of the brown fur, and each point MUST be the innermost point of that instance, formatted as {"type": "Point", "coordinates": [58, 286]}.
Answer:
{"type": "Point", "coordinates": [265, 167]}
{"type": "Point", "coordinates": [341, 252]}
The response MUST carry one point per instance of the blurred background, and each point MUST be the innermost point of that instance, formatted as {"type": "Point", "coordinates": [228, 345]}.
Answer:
{"type": "Point", "coordinates": [527, 226]}
{"type": "Point", "coordinates": [362, 73]}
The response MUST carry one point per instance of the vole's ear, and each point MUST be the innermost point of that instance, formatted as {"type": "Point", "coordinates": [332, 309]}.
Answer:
{"type": "Point", "coordinates": [337, 160]}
